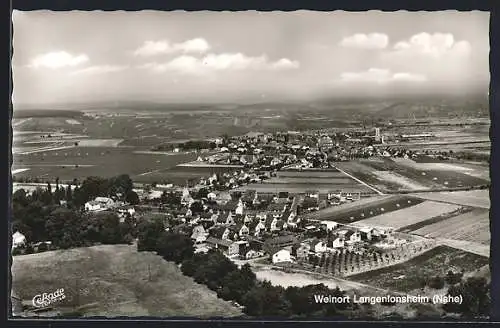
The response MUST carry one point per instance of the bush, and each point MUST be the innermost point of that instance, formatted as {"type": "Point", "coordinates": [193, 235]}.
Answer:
{"type": "Point", "coordinates": [29, 250]}
{"type": "Point", "coordinates": [43, 247]}
{"type": "Point", "coordinates": [436, 282]}
{"type": "Point", "coordinates": [453, 278]}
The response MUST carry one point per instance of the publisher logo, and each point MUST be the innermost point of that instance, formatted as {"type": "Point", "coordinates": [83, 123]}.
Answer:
{"type": "Point", "coordinates": [46, 299]}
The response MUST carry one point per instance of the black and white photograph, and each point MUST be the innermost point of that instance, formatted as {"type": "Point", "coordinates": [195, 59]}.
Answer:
{"type": "Point", "coordinates": [250, 165]}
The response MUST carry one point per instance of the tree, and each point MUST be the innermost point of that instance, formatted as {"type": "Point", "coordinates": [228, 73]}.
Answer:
{"type": "Point", "coordinates": [453, 278]}
{"type": "Point", "coordinates": [196, 208]}
{"type": "Point", "coordinates": [69, 194]}
{"type": "Point", "coordinates": [132, 197]}
{"type": "Point", "coordinates": [175, 247]}
{"type": "Point", "coordinates": [475, 293]}
{"type": "Point", "coordinates": [237, 283]}
{"type": "Point", "coordinates": [148, 234]}
{"type": "Point", "coordinates": [202, 193]}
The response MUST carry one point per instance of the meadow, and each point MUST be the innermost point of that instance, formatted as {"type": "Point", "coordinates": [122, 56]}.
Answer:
{"type": "Point", "coordinates": [116, 280]}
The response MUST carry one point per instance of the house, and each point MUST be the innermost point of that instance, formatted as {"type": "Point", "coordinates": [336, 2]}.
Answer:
{"type": "Point", "coordinates": [239, 230]}
{"type": "Point", "coordinates": [199, 234]}
{"type": "Point", "coordinates": [225, 218]}
{"type": "Point", "coordinates": [288, 216]}
{"type": "Point", "coordinates": [303, 251]}
{"type": "Point", "coordinates": [249, 217]}
{"type": "Point", "coordinates": [228, 247]}
{"type": "Point", "coordinates": [127, 210]}
{"type": "Point", "coordinates": [257, 228]}
{"type": "Point", "coordinates": [336, 242]}
{"type": "Point", "coordinates": [318, 246]}
{"type": "Point", "coordinates": [353, 236]}
{"type": "Point", "coordinates": [186, 198]}
{"type": "Point", "coordinates": [211, 196]}
{"type": "Point", "coordinates": [18, 240]}
{"type": "Point", "coordinates": [269, 222]}
{"type": "Point", "coordinates": [366, 233]}
{"type": "Point", "coordinates": [239, 208]}
{"type": "Point", "coordinates": [276, 209]}
{"type": "Point", "coordinates": [219, 232]}
{"type": "Point", "coordinates": [243, 249]}
{"type": "Point", "coordinates": [280, 242]}
{"type": "Point", "coordinates": [312, 194]}
{"type": "Point", "coordinates": [99, 204]}
{"type": "Point", "coordinates": [282, 256]}
{"type": "Point", "coordinates": [329, 225]}
{"type": "Point", "coordinates": [278, 225]}
{"type": "Point", "coordinates": [223, 198]}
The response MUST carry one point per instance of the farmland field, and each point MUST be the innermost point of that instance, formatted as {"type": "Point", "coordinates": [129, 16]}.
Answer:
{"type": "Point", "coordinates": [361, 212]}
{"type": "Point", "coordinates": [436, 261]}
{"type": "Point", "coordinates": [410, 215]}
{"type": "Point", "coordinates": [434, 178]}
{"type": "Point", "coordinates": [311, 174]}
{"type": "Point", "coordinates": [81, 162]}
{"type": "Point", "coordinates": [473, 226]}
{"type": "Point", "coordinates": [475, 198]}
{"type": "Point", "coordinates": [302, 188]}
{"type": "Point", "coordinates": [313, 181]}
{"type": "Point", "coordinates": [115, 278]}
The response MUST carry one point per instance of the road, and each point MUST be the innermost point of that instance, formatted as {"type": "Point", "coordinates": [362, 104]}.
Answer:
{"type": "Point", "coordinates": [363, 183]}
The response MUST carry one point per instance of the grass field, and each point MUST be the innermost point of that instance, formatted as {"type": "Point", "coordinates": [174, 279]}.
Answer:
{"type": "Point", "coordinates": [436, 261]}
{"type": "Point", "coordinates": [410, 215]}
{"type": "Point", "coordinates": [473, 226]}
{"type": "Point", "coordinates": [362, 211]}
{"type": "Point", "coordinates": [116, 279]}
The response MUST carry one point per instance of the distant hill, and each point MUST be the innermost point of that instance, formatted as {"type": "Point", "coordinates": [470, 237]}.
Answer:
{"type": "Point", "coordinates": [41, 112]}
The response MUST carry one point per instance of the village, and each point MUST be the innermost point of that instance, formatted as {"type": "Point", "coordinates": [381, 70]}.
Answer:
{"type": "Point", "coordinates": [224, 212]}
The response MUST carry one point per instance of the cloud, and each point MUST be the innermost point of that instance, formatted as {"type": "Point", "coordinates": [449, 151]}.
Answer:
{"type": "Point", "coordinates": [285, 63]}
{"type": "Point", "coordinates": [102, 69]}
{"type": "Point", "coordinates": [377, 75]}
{"type": "Point", "coordinates": [153, 48]}
{"type": "Point", "coordinates": [58, 59]}
{"type": "Point", "coordinates": [434, 45]}
{"type": "Point", "coordinates": [221, 62]}
{"type": "Point", "coordinates": [366, 41]}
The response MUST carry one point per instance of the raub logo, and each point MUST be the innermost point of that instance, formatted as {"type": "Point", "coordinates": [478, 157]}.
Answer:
{"type": "Point", "coordinates": [45, 299]}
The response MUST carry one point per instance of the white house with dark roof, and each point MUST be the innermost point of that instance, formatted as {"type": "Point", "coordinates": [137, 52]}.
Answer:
{"type": "Point", "coordinates": [282, 256]}
{"type": "Point", "coordinates": [18, 240]}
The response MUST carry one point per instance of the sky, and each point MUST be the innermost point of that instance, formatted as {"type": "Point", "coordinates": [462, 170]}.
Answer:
{"type": "Point", "coordinates": [234, 56]}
